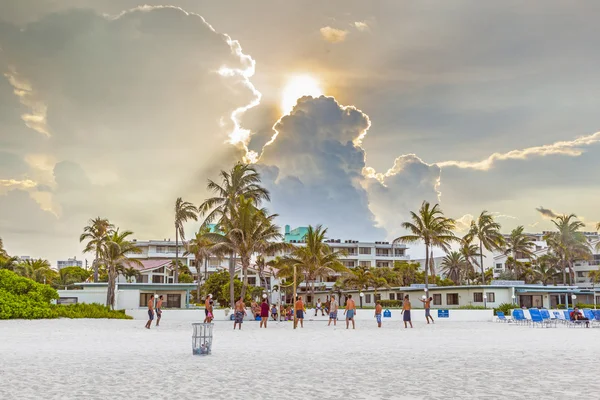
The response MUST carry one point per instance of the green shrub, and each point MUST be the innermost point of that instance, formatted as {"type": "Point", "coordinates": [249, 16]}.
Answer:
{"type": "Point", "coordinates": [83, 310]}
{"type": "Point", "coordinates": [506, 308]}
{"type": "Point", "coordinates": [22, 298]}
{"type": "Point", "coordinates": [578, 305]}
{"type": "Point", "coordinates": [391, 303]}
{"type": "Point", "coordinates": [471, 307]}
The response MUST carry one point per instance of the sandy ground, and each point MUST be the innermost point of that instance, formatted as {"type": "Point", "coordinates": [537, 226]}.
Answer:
{"type": "Point", "coordinates": [98, 359]}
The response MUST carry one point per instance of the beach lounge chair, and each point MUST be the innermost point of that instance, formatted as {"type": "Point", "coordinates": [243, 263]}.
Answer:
{"type": "Point", "coordinates": [589, 314]}
{"type": "Point", "coordinates": [559, 317]}
{"type": "Point", "coordinates": [537, 319]}
{"type": "Point", "coordinates": [519, 316]}
{"type": "Point", "coordinates": [570, 322]}
{"type": "Point", "coordinates": [502, 318]}
{"type": "Point", "coordinates": [548, 319]}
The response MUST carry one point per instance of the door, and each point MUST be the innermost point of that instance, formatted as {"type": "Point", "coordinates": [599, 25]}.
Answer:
{"type": "Point", "coordinates": [173, 301]}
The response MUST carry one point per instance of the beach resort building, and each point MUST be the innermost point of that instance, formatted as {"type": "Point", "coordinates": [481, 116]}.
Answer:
{"type": "Point", "coordinates": [70, 262]}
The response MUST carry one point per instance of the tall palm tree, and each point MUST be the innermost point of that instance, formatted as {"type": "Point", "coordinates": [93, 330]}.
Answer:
{"type": "Point", "coordinates": [362, 278]}
{"type": "Point", "coordinates": [544, 269]}
{"type": "Point", "coordinates": [242, 180]}
{"type": "Point", "coordinates": [96, 233]}
{"type": "Point", "coordinates": [201, 247]}
{"type": "Point", "coordinates": [470, 253]}
{"type": "Point", "coordinates": [568, 243]}
{"type": "Point", "coordinates": [249, 231]}
{"type": "Point", "coordinates": [454, 266]}
{"type": "Point", "coordinates": [598, 242]}
{"type": "Point", "coordinates": [487, 231]}
{"type": "Point", "coordinates": [431, 227]}
{"type": "Point", "coordinates": [39, 270]}
{"type": "Point", "coordinates": [131, 273]}
{"type": "Point", "coordinates": [184, 211]}
{"type": "Point", "coordinates": [316, 259]}
{"type": "Point", "coordinates": [115, 257]}
{"type": "Point", "coordinates": [519, 245]}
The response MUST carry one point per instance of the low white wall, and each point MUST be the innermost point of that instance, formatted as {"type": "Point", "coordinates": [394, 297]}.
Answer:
{"type": "Point", "coordinates": [85, 296]}
{"type": "Point", "coordinates": [417, 315]}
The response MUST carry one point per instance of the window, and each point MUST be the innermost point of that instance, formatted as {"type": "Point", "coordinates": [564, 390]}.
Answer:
{"type": "Point", "coordinates": [348, 263]}
{"type": "Point", "coordinates": [351, 251]}
{"type": "Point", "coordinates": [377, 297]}
{"type": "Point", "coordinates": [144, 279]}
{"type": "Point", "coordinates": [368, 298]}
{"type": "Point", "coordinates": [173, 301]}
{"type": "Point", "coordinates": [364, 250]}
{"type": "Point", "coordinates": [309, 299]}
{"type": "Point", "coordinates": [437, 299]}
{"type": "Point", "coordinates": [161, 249]}
{"type": "Point", "coordinates": [478, 297]}
{"type": "Point", "coordinates": [399, 252]}
{"type": "Point", "coordinates": [392, 296]}
{"type": "Point", "coordinates": [452, 299]}
{"type": "Point", "coordinates": [364, 263]}
{"type": "Point", "coordinates": [383, 264]}
{"type": "Point", "coordinates": [144, 297]}
{"type": "Point", "coordinates": [400, 296]}
{"type": "Point", "coordinates": [382, 252]}
{"type": "Point", "coordinates": [158, 279]}
{"type": "Point", "coordinates": [580, 274]}
{"type": "Point", "coordinates": [252, 280]}
{"type": "Point", "coordinates": [490, 297]}
{"type": "Point", "coordinates": [499, 266]}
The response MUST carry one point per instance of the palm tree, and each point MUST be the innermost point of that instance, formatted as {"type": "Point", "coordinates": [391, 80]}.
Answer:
{"type": "Point", "coordinates": [544, 270]}
{"type": "Point", "coordinates": [249, 231]}
{"type": "Point", "coordinates": [96, 233]}
{"type": "Point", "coordinates": [242, 180]}
{"type": "Point", "coordinates": [115, 257]}
{"type": "Point", "coordinates": [454, 266]}
{"type": "Point", "coordinates": [362, 278]}
{"type": "Point", "coordinates": [184, 211]}
{"type": "Point", "coordinates": [598, 242]}
{"type": "Point", "coordinates": [131, 273]}
{"type": "Point", "coordinates": [201, 247]}
{"type": "Point", "coordinates": [9, 263]}
{"type": "Point", "coordinates": [488, 232]}
{"type": "Point", "coordinates": [39, 270]}
{"type": "Point", "coordinates": [470, 253]}
{"type": "Point", "coordinates": [568, 243]}
{"type": "Point", "coordinates": [433, 228]}
{"type": "Point", "coordinates": [316, 259]}
{"type": "Point", "coordinates": [519, 245]}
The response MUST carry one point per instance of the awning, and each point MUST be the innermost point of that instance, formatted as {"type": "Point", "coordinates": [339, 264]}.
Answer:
{"type": "Point", "coordinates": [558, 291]}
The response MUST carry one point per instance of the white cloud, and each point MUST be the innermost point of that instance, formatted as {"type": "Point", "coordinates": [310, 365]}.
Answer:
{"type": "Point", "coordinates": [36, 117]}
{"type": "Point", "coordinates": [362, 26]}
{"type": "Point", "coordinates": [333, 35]}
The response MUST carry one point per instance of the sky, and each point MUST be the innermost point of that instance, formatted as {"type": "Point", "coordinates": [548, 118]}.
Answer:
{"type": "Point", "coordinates": [116, 108]}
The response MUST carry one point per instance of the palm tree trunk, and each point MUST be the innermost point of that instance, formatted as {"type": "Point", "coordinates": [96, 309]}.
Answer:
{"type": "Point", "coordinates": [96, 267]}
{"type": "Point", "coordinates": [199, 287]}
{"type": "Point", "coordinates": [564, 272]}
{"type": "Point", "coordinates": [110, 292]}
{"type": "Point", "coordinates": [206, 269]}
{"type": "Point", "coordinates": [481, 259]}
{"type": "Point", "coordinates": [231, 279]}
{"type": "Point", "coordinates": [245, 265]}
{"type": "Point", "coordinates": [176, 255]}
{"type": "Point", "coordinates": [426, 269]}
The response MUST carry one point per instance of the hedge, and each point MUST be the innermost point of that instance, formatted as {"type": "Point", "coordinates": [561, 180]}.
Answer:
{"type": "Point", "coordinates": [505, 308]}
{"type": "Point", "coordinates": [578, 305]}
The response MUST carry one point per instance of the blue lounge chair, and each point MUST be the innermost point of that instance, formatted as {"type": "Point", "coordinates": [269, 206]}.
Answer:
{"type": "Point", "coordinates": [589, 314]}
{"type": "Point", "coordinates": [548, 319]}
{"type": "Point", "coordinates": [519, 316]}
{"type": "Point", "coordinates": [536, 318]}
{"type": "Point", "coordinates": [597, 315]}
{"type": "Point", "coordinates": [570, 322]}
{"type": "Point", "coordinates": [501, 317]}
{"type": "Point", "coordinates": [558, 316]}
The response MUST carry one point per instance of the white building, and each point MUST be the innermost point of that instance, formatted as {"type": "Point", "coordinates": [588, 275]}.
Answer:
{"type": "Point", "coordinates": [70, 262]}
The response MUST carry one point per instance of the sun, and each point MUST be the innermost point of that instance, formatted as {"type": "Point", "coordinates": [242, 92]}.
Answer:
{"type": "Point", "coordinates": [298, 86]}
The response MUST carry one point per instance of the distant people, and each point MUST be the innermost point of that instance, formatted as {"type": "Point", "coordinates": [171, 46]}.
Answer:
{"type": "Point", "coordinates": [427, 304]}
{"type": "Point", "coordinates": [159, 309]}
{"type": "Point", "coordinates": [319, 307]}
{"type": "Point", "coordinates": [576, 315]}
{"type": "Point", "coordinates": [350, 311]}
{"type": "Point", "coordinates": [333, 310]}
{"type": "Point", "coordinates": [274, 313]}
{"type": "Point", "coordinates": [206, 308]}
{"type": "Point", "coordinates": [240, 312]}
{"type": "Point", "coordinates": [327, 304]}
{"type": "Point", "coordinates": [255, 309]}
{"type": "Point", "coordinates": [406, 311]}
{"type": "Point", "coordinates": [299, 309]}
{"type": "Point", "coordinates": [211, 312]}
{"type": "Point", "coordinates": [264, 313]}
{"type": "Point", "coordinates": [378, 310]}
{"type": "Point", "coordinates": [150, 311]}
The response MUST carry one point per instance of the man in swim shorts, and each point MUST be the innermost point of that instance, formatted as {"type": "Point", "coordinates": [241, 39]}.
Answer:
{"type": "Point", "coordinates": [350, 311]}
{"type": "Point", "coordinates": [406, 311]}
{"type": "Point", "coordinates": [427, 304]}
{"type": "Point", "coordinates": [378, 309]}
{"type": "Point", "coordinates": [299, 309]}
{"type": "Point", "coordinates": [333, 309]}
{"type": "Point", "coordinates": [240, 312]}
{"type": "Point", "coordinates": [159, 309]}
{"type": "Point", "coordinates": [150, 311]}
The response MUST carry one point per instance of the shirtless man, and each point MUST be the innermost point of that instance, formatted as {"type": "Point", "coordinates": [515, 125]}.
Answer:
{"type": "Point", "coordinates": [159, 309]}
{"type": "Point", "coordinates": [150, 311]}
{"type": "Point", "coordinates": [207, 309]}
{"type": "Point", "coordinates": [427, 304]}
{"type": "Point", "coordinates": [406, 311]}
{"type": "Point", "coordinates": [350, 311]}
{"type": "Point", "coordinates": [378, 310]}
{"type": "Point", "coordinates": [240, 312]}
{"type": "Point", "coordinates": [299, 309]}
{"type": "Point", "coordinates": [333, 309]}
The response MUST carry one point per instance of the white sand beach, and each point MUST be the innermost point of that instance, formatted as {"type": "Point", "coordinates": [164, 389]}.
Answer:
{"type": "Point", "coordinates": [100, 359]}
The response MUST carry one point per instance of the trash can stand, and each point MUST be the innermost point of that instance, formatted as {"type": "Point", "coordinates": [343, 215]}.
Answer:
{"type": "Point", "coordinates": [202, 338]}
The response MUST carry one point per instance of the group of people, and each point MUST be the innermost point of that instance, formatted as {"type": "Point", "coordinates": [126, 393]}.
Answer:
{"type": "Point", "coordinates": [151, 311]}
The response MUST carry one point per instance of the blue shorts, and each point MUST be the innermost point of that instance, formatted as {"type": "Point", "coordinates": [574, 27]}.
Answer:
{"type": "Point", "coordinates": [299, 314]}
{"type": "Point", "coordinates": [406, 316]}
{"type": "Point", "coordinates": [333, 315]}
{"type": "Point", "coordinates": [427, 314]}
{"type": "Point", "coordinates": [150, 315]}
{"type": "Point", "coordinates": [158, 312]}
{"type": "Point", "coordinates": [378, 317]}
{"type": "Point", "coordinates": [349, 314]}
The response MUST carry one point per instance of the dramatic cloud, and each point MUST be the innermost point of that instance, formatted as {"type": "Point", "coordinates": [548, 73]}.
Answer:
{"type": "Point", "coordinates": [333, 35]}
{"type": "Point", "coordinates": [569, 148]}
{"type": "Point", "coordinates": [546, 212]}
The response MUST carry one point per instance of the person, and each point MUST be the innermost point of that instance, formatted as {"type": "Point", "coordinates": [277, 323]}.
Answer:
{"type": "Point", "coordinates": [159, 309]}
{"type": "Point", "coordinates": [319, 307]}
{"type": "Point", "coordinates": [206, 308]}
{"type": "Point", "coordinates": [150, 311]}
{"type": "Point", "coordinates": [350, 311]}
{"type": "Point", "coordinates": [240, 312]}
{"type": "Point", "coordinates": [427, 304]}
{"type": "Point", "coordinates": [406, 311]}
{"type": "Point", "coordinates": [333, 309]}
{"type": "Point", "coordinates": [576, 315]}
{"type": "Point", "coordinates": [299, 308]}
{"type": "Point", "coordinates": [264, 313]}
{"type": "Point", "coordinates": [255, 309]}
{"type": "Point", "coordinates": [378, 309]}
{"type": "Point", "coordinates": [211, 312]}
{"type": "Point", "coordinates": [274, 312]}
